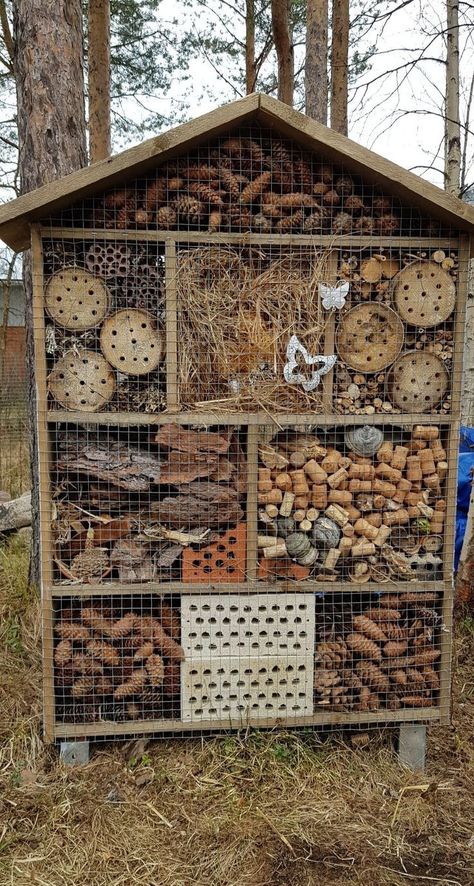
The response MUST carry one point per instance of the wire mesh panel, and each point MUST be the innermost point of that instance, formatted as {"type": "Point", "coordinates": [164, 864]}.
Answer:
{"type": "Point", "coordinates": [249, 369]}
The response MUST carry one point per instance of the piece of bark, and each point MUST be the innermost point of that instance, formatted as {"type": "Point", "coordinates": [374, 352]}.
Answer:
{"type": "Point", "coordinates": [184, 467]}
{"type": "Point", "coordinates": [132, 561]}
{"type": "Point", "coordinates": [164, 558]}
{"type": "Point", "coordinates": [16, 513]}
{"type": "Point", "coordinates": [210, 491]}
{"type": "Point", "coordinates": [103, 534]}
{"type": "Point", "coordinates": [184, 440]}
{"type": "Point", "coordinates": [188, 511]}
{"type": "Point", "coordinates": [118, 464]}
{"type": "Point", "coordinates": [237, 457]}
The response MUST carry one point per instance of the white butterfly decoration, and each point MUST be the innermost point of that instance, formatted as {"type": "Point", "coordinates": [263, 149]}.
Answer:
{"type": "Point", "coordinates": [333, 296]}
{"type": "Point", "coordinates": [290, 371]}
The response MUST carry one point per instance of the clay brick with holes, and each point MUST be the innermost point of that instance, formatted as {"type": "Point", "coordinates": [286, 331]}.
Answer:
{"type": "Point", "coordinates": [223, 561]}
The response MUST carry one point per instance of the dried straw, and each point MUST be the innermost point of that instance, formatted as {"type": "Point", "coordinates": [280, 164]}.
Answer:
{"type": "Point", "coordinates": [236, 312]}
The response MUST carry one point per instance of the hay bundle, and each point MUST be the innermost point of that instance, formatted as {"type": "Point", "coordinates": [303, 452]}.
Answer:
{"type": "Point", "coordinates": [237, 310]}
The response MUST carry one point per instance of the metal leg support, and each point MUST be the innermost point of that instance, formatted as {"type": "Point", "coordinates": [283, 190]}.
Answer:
{"type": "Point", "coordinates": [412, 747]}
{"type": "Point", "coordinates": [74, 753]}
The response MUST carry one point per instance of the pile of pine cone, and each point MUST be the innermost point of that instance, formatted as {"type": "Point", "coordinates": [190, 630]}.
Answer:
{"type": "Point", "coordinates": [110, 664]}
{"type": "Point", "coordinates": [382, 657]}
{"type": "Point", "coordinates": [245, 185]}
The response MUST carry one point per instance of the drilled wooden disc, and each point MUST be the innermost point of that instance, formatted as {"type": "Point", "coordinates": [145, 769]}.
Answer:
{"type": "Point", "coordinates": [82, 380]}
{"type": "Point", "coordinates": [131, 342]}
{"type": "Point", "coordinates": [424, 294]}
{"type": "Point", "coordinates": [76, 299]}
{"type": "Point", "coordinates": [417, 381]}
{"type": "Point", "coordinates": [369, 337]}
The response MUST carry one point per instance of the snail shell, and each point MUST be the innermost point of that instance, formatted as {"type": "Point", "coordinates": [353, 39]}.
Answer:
{"type": "Point", "coordinates": [286, 526]}
{"type": "Point", "coordinates": [309, 558]}
{"type": "Point", "coordinates": [326, 533]}
{"type": "Point", "coordinates": [365, 440]}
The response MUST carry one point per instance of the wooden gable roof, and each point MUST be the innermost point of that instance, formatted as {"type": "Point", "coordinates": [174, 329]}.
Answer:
{"type": "Point", "coordinates": [17, 216]}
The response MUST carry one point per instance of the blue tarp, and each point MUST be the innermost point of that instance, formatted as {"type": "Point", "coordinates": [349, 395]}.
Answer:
{"type": "Point", "coordinates": [465, 469]}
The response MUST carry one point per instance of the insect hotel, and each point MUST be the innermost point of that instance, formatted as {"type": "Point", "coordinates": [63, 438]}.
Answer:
{"type": "Point", "coordinates": [248, 349]}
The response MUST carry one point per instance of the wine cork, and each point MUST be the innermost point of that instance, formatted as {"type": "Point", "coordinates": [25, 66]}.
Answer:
{"type": "Point", "coordinates": [360, 485]}
{"type": "Point", "coordinates": [379, 502]}
{"type": "Point", "coordinates": [338, 514]}
{"type": "Point", "coordinates": [417, 445]}
{"type": "Point", "coordinates": [272, 511]}
{"type": "Point", "coordinates": [345, 545]}
{"type": "Point", "coordinates": [264, 485]}
{"type": "Point", "coordinates": [340, 496]}
{"type": "Point", "coordinates": [353, 512]}
{"type": "Point", "coordinates": [361, 472]}
{"type": "Point", "coordinates": [440, 505]}
{"type": "Point", "coordinates": [332, 557]}
{"type": "Point", "coordinates": [396, 518]}
{"type": "Point", "coordinates": [299, 515]}
{"type": "Point", "coordinates": [345, 462]}
{"type": "Point", "coordinates": [265, 541]}
{"type": "Point", "coordinates": [385, 452]}
{"type": "Point", "coordinates": [414, 472]}
{"type": "Point", "coordinates": [442, 470]}
{"type": "Point", "coordinates": [348, 530]}
{"type": "Point", "coordinates": [302, 501]}
{"type": "Point", "coordinates": [283, 481]}
{"type": "Point", "coordinates": [364, 549]}
{"type": "Point", "coordinates": [312, 514]}
{"type": "Point", "coordinates": [412, 498]}
{"type": "Point", "coordinates": [275, 551]}
{"type": "Point", "coordinates": [319, 497]}
{"type": "Point", "coordinates": [439, 454]}
{"type": "Point", "coordinates": [425, 432]}
{"type": "Point", "coordinates": [427, 462]}
{"type": "Point", "coordinates": [274, 497]}
{"type": "Point", "coordinates": [399, 457]}
{"type": "Point", "coordinates": [287, 503]}
{"type": "Point", "coordinates": [330, 463]}
{"type": "Point", "coordinates": [264, 474]}
{"type": "Point", "coordinates": [305, 525]}
{"type": "Point", "coordinates": [297, 459]}
{"type": "Point", "coordinates": [315, 472]}
{"type": "Point", "coordinates": [431, 482]}
{"type": "Point", "coordinates": [382, 535]}
{"type": "Point", "coordinates": [374, 519]}
{"type": "Point", "coordinates": [334, 480]}
{"type": "Point", "coordinates": [387, 472]}
{"type": "Point", "coordinates": [363, 527]}
{"type": "Point", "coordinates": [384, 487]}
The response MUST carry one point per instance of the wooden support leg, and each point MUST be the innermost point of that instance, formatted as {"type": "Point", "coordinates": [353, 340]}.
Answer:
{"type": "Point", "coordinates": [74, 753]}
{"type": "Point", "coordinates": [412, 746]}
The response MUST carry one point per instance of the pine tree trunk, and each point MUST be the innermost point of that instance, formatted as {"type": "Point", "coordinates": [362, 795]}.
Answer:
{"type": "Point", "coordinates": [99, 79]}
{"type": "Point", "coordinates": [339, 65]}
{"type": "Point", "coordinates": [250, 70]}
{"type": "Point", "coordinates": [452, 164]}
{"type": "Point", "coordinates": [316, 63]}
{"type": "Point", "coordinates": [284, 50]}
{"type": "Point", "coordinates": [48, 64]}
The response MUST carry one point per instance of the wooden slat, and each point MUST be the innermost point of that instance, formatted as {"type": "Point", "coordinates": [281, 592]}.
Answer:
{"type": "Point", "coordinates": [323, 718]}
{"type": "Point", "coordinates": [46, 541]}
{"type": "Point", "coordinates": [176, 587]}
{"type": "Point", "coordinates": [329, 241]}
{"type": "Point", "coordinates": [252, 511]}
{"type": "Point", "coordinates": [329, 337]}
{"type": "Point", "coordinates": [222, 417]}
{"type": "Point", "coordinates": [171, 327]}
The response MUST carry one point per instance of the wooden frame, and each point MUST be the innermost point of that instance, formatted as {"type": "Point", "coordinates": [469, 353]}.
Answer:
{"type": "Point", "coordinates": [254, 422]}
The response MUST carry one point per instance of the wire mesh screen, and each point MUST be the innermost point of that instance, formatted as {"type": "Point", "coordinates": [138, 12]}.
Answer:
{"type": "Point", "coordinates": [249, 363]}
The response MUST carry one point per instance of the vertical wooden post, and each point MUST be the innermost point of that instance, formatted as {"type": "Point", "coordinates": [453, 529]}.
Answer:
{"type": "Point", "coordinates": [46, 542]}
{"type": "Point", "coordinates": [172, 393]}
{"type": "Point", "coordinates": [253, 433]}
{"type": "Point", "coordinates": [329, 339]}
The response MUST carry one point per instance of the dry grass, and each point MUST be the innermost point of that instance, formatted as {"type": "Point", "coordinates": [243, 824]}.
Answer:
{"type": "Point", "coordinates": [14, 450]}
{"type": "Point", "coordinates": [237, 310]}
{"type": "Point", "coordinates": [265, 809]}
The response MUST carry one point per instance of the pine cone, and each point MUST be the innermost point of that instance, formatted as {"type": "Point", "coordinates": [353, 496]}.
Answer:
{"type": "Point", "coordinates": [63, 653]}
{"type": "Point", "coordinates": [342, 223]}
{"type": "Point", "coordinates": [320, 189]}
{"type": "Point", "coordinates": [364, 699]}
{"type": "Point", "coordinates": [388, 224]}
{"type": "Point", "coordinates": [353, 204]}
{"type": "Point", "coordinates": [364, 225]}
{"type": "Point", "coordinates": [166, 218]}
{"type": "Point", "coordinates": [133, 686]}
{"type": "Point", "coordinates": [302, 173]}
{"type": "Point", "coordinates": [233, 146]}
{"type": "Point", "coordinates": [399, 677]}
{"type": "Point", "coordinates": [271, 204]}
{"type": "Point", "coordinates": [394, 648]}
{"type": "Point", "coordinates": [344, 184]}
{"type": "Point", "coordinates": [261, 224]}
{"type": "Point", "coordinates": [123, 626]}
{"type": "Point", "coordinates": [417, 701]}
{"type": "Point", "coordinates": [297, 200]}
{"type": "Point", "coordinates": [254, 190]}
{"type": "Point", "coordinates": [172, 680]}
{"type": "Point", "coordinates": [166, 645]}
{"type": "Point", "coordinates": [72, 631]}
{"type": "Point", "coordinates": [368, 627]}
{"type": "Point", "coordinates": [216, 221]}
{"type": "Point", "coordinates": [155, 194]}
{"type": "Point", "coordinates": [380, 615]}
{"type": "Point", "coordinates": [255, 151]}
{"type": "Point", "coordinates": [381, 205]}
{"type": "Point", "coordinates": [331, 198]}
{"type": "Point", "coordinates": [325, 174]}
{"type": "Point", "coordinates": [290, 222]}
{"type": "Point", "coordinates": [83, 686]}
{"type": "Point", "coordinates": [280, 153]}
{"type": "Point", "coordinates": [395, 632]}
{"type": "Point", "coordinates": [82, 664]}
{"type": "Point", "coordinates": [415, 677]}
{"type": "Point", "coordinates": [92, 562]}
{"type": "Point", "coordinates": [156, 670]}
{"type": "Point", "coordinates": [96, 621]}
{"type": "Point", "coordinates": [189, 209]}
{"type": "Point", "coordinates": [104, 652]}
{"type": "Point", "coordinates": [431, 678]}
{"type": "Point", "coordinates": [373, 676]}
{"type": "Point", "coordinates": [201, 173]}
{"type": "Point", "coordinates": [206, 194]}
{"type": "Point", "coordinates": [316, 221]}
{"type": "Point", "coordinates": [117, 199]}
{"type": "Point", "coordinates": [144, 651]}
{"type": "Point", "coordinates": [365, 647]}
{"type": "Point", "coordinates": [232, 183]}
{"type": "Point", "coordinates": [175, 183]}
{"type": "Point", "coordinates": [240, 219]}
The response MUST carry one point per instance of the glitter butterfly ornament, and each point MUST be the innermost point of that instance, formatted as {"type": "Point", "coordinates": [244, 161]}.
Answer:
{"type": "Point", "coordinates": [291, 372]}
{"type": "Point", "coordinates": [333, 297]}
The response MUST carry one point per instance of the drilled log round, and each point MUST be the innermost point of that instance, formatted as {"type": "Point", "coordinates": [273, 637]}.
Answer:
{"type": "Point", "coordinates": [131, 342]}
{"type": "Point", "coordinates": [417, 382]}
{"type": "Point", "coordinates": [369, 337]}
{"type": "Point", "coordinates": [424, 294]}
{"type": "Point", "coordinates": [76, 299]}
{"type": "Point", "coordinates": [82, 380]}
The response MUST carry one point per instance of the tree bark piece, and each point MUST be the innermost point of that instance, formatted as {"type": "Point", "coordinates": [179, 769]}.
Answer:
{"type": "Point", "coordinates": [16, 513]}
